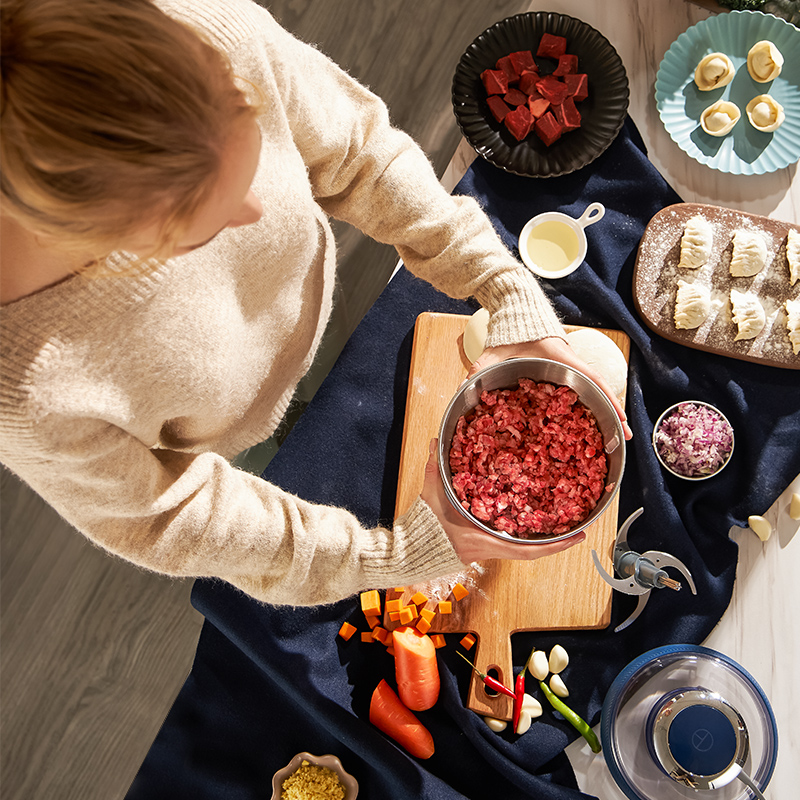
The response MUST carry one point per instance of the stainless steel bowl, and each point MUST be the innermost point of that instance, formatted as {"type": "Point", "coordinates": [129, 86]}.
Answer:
{"type": "Point", "coordinates": [506, 375]}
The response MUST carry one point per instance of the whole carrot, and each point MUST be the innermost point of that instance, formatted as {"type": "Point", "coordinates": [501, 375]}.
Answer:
{"type": "Point", "coordinates": [388, 714]}
{"type": "Point", "coordinates": [416, 668]}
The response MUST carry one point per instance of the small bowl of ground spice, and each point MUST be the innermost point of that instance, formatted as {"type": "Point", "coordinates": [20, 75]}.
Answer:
{"type": "Point", "coordinates": [309, 777]}
{"type": "Point", "coordinates": [693, 440]}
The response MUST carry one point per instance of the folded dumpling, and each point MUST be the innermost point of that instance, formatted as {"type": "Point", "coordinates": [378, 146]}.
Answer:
{"type": "Point", "coordinates": [713, 72]}
{"type": "Point", "coordinates": [719, 118]}
{"type": "Point", "coordinates": [793, 323]}
{"type": "Point", "coordinates": [692, 304]}
{"type": "Point", "coordinates": [765, 113]}
{"type": "Point", "coordinates": [696, 242]}
{"type": "Point", "coordinates": [748, 314]}
{"type": "Point", "coordinates": [764, 61]}
{"type": "Point", "coordinates": [749, 253]}
{"type": "Point", "coordinates": [793, 255]}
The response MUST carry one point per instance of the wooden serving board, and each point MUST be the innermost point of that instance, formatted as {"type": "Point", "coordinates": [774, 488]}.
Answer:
{"type": "Point", "coordinates": [560, 592]}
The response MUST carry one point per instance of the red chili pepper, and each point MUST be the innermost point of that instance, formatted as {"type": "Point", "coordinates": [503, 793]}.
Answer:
{"type": "Point", "coordinates": [519, 694]}
{"type": "Point", "coordinates": [488, 680]}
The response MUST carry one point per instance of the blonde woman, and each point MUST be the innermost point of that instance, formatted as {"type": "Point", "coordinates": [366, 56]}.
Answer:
{"type": "Point", "coordinates": [168, 174]}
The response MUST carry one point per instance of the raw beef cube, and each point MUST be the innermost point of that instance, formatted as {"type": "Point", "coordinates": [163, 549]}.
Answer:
{"type": "Point", "coordinates": [552, 89]}
{"type": "Point", "coordinates": [494, 81]}
{"type": "Point", "coordinates": [537, 106]}
{"type": "Point", "coordinates": [519, 122]}
{"type": "Point", "coordinates": [578, 86]}
{"type": "Point", "coordinates": [567, 65]}
{"type": "Point", "coordinates": [514, 97]}
{"type": "Point", "coordinates": [506, 66]}
{"type": "Point", "coordinates": [568, 115]}
{"type": "Point", "coordinates": [498, 108]}
{"type": "Point", "coordinates": [527, 81]}
{"type": "Point", "coordinates": [551, 46]}
{"type": "Point", "coordinates": [522, 60]}
{"type": "Point", "coordinates": [547, 128]}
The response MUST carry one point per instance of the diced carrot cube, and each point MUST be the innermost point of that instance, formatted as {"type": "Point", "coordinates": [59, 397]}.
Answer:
{"type": "Point", "coordinates": [445, 607]}
{"type": "Point", "coordinates": [366, 636]}
{"type": "Point", "coordinates": [419, 599]}
{"type": "Point", "coordinates": [346, 631]}
{"type": "Point", "coordinates": [372, 621]}
{"type": "Point", "coordinates": [460, 591]}
{"type": "Point", "coordinates": [390, 649]}
{"type": "Point", "coordinates": [427, 614]}
{"type": "Point", "coordinates": [438, 640]}
{"type": "Point", "coordinates": [394, 616]}
{"type": "Point", "coordinates": [407, 615]}
{"type": "Point", "coordinates": [393, 605]}
{"type": "Point", "coordinates": [371, 603]}
{"type": "Point", "coordinates": [380, 635]}
{"type": "Point", "coordinates": [468, 641]}
{"type": "Point", "coordinates": [423, 626]}
{"type": "Point", "coordinates": [400, 589]}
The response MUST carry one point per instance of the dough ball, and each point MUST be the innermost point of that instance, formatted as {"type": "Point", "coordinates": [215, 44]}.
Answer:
{"type": "Point", "coordinates": [600, 353]}
{"type": "Point", "coordinates": [475, 334]}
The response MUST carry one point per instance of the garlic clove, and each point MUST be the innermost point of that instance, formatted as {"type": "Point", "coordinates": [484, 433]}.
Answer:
{"type": "Point", "coordinates": [524, 723]}
{"type": "Point", "coordinates": [496, 725]}
{"type": "Point", "coordinates": [531, 705]}
{"type": "Point", "coordinates": [794, 506]}
{"type": "Point", "coordinates": [538, 665]}
{"type": "Point", "coordinates": [761, 527]}
{"type": "Point", "coordinates": [558, 687]}
{"type": "Point", "coordinates": [558, 659]}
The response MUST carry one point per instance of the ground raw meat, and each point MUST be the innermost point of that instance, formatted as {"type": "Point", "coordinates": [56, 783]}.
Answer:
{"type": "Point", "coordinates": [529, 460]}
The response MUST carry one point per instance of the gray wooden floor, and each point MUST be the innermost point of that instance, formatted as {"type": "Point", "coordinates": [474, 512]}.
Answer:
{"type": "Point", "coordinates": [93, 649]}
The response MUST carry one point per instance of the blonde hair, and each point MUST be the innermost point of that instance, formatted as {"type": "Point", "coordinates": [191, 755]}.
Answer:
{"type": "Point", "coordinates": [113, 117]}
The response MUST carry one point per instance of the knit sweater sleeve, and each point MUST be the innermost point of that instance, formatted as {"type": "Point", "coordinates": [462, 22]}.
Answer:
{"type": "Point", "coordinates": [372, 175]}
{"type": "Point", "coordinates": [193, 515]}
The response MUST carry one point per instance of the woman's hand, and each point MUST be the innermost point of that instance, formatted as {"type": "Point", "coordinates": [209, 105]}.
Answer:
{"type": "Point", "coordinates": [469, 541]}
{"type": "Point", "coordinates": [555, 349]}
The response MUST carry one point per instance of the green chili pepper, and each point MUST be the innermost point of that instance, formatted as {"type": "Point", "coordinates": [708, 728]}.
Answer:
{"type": "Point", "coordinates": [570, 716]}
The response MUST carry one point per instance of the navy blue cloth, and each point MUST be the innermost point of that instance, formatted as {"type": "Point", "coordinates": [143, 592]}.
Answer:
{"type": "Point", "coordinates": [269, 682]}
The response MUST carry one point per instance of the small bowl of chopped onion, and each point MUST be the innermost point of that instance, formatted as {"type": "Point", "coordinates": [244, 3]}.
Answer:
{"type": "Point", "coordinates": [307, 776]}
{"type": "Point", "coordinates": [693, 440]}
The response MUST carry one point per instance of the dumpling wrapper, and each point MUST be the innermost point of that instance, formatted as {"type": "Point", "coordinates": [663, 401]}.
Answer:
{"type": "Point", "coordinates": [475, 335]}
{"type": "Point", "coordinates": [719, 118]}
{"type": "Point", "coordinates": [713, 72]}
{"type": "Point", "coordinates": [793, 255]}
{"type": "Point", "coordinates": [764, 61]}
{"type": "Point", "coordinates": [765, 113]}
{"type": "Point", "coordinates": [749, 254]}
{"type": "Point", "coordinates": [602, 354]}
{"type": "Point", "coordinates": [748, 314]}
{"type": "Point", "coordinates": [793, 323]}
{"type": "Point", "coordinates": [696, 242]}
{"type": "Point", "coordinates": [692, 304]}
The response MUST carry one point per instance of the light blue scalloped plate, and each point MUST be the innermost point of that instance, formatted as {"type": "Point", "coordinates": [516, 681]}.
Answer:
{"type": "Point", "coordinates": [744, 151]}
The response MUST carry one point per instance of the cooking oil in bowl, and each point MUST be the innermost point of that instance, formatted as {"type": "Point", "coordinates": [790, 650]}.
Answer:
{"type": "Point", "coordinates": [553, 246]}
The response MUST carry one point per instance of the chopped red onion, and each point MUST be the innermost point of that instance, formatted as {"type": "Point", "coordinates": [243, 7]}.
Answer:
{"type": "Point", "coordinates": [694, 440]}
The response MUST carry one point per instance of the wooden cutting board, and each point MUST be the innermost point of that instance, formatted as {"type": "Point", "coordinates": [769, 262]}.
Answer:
{"type": "Point", "coordinates": [560, 592]}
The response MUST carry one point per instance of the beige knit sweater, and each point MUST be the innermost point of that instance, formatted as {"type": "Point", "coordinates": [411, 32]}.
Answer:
{"type": "Point", "coordinates": [122, 398]}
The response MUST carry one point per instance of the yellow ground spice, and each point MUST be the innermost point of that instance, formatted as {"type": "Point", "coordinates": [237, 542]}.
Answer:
{"type": "Point", "coordinates": [310, 782]}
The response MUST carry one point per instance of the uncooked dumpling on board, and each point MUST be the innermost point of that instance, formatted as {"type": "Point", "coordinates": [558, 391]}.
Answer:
{"type": "Point", "coordinates": [764, 61]}
{"type": "Point", "coordinates": [793, 323]}
{"type": "Point", "coordinates": [713, 72]}
{"type": "Point", "coordinates": [748, 314]}
{"type": "Point", "coordinates": [696, 242]}
{"type": "Point", "coordinates": [793, 255]}
{"type": "Point", "coordinates": [749, 253]}
{"type": "Point", "coordinates": [692, 304]}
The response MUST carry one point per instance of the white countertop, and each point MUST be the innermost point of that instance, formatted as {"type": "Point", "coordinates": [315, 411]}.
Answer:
{"type": "Point", "coordinates": [761, 628]}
